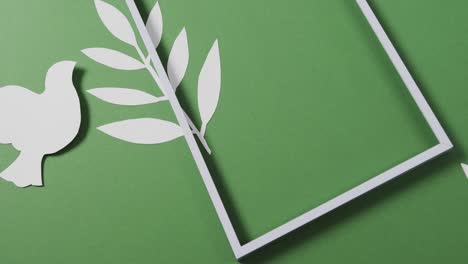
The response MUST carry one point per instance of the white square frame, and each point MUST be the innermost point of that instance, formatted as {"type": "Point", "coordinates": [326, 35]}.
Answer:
{"type": "Point", "coordinates": [444, 144]}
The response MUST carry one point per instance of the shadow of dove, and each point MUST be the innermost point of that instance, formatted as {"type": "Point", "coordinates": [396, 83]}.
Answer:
{"type": "Point", "coordinates": [39, 124]}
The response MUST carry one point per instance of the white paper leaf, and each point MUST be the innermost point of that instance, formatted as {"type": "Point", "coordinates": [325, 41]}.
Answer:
{"type": "Point", "coordinates": [209, 86]}
{"type": "Point", "coordinates": [143, 131]}
{"type": "Point", "coordinates": [116, 22]}
{"type": "Point", "coordinates": [465, 169]}
{"type": "Point", "coordinates": [178, 60]}
{"type": "Point", "coordinates": [114, 59]}
{"type": "Point", "coordinates": [154, 25]}
{"type": "Point", "coordinates": [124, 96]}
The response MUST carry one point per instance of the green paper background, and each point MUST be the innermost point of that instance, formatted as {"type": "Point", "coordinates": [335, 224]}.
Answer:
{"type": "Point", "coordinates": [310, 107]}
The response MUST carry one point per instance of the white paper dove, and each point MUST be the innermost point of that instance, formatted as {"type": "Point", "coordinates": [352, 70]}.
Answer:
{"type": "Point", "coordinates": [39, 124]}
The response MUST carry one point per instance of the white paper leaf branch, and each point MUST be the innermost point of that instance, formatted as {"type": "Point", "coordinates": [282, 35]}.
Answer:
{"type": "Point", "coordinates": [178, 60]}
{"type": "Point", "coordinates": [143, 131]}
{"type": "Point", "coordinates": [154, 25]}
{"type": "Point", "coordinates": [137, 131]}
{"type": "Point", "coordinates": [125, 96]}
{"type": "Point", "coordinates": [116, 22]}
{"type": "Point", "coordinates": [209, 86]}
{"type": "Point", "coordinates": [114, 59]}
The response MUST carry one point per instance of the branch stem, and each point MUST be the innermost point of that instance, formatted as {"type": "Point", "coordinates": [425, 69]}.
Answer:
{"type": "Point", "coordinates": [156, 78]}
{"type": "Point", "coordinates": [198, 134]}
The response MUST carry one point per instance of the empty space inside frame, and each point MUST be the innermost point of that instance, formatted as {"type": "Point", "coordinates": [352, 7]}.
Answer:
{"type": "Point", "coordinates": [311, 106]}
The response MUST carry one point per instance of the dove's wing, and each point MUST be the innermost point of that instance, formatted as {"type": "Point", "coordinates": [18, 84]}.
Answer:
{"type": "Point", "coordinates": [16, 107]}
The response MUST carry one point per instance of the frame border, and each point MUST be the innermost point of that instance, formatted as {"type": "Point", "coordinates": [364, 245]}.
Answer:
{"type": "Point", "coordinates": [242, 250]}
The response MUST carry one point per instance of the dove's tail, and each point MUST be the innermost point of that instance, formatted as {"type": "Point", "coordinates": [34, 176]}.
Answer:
{"type": "Point", "coordinates": [25, 171]}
